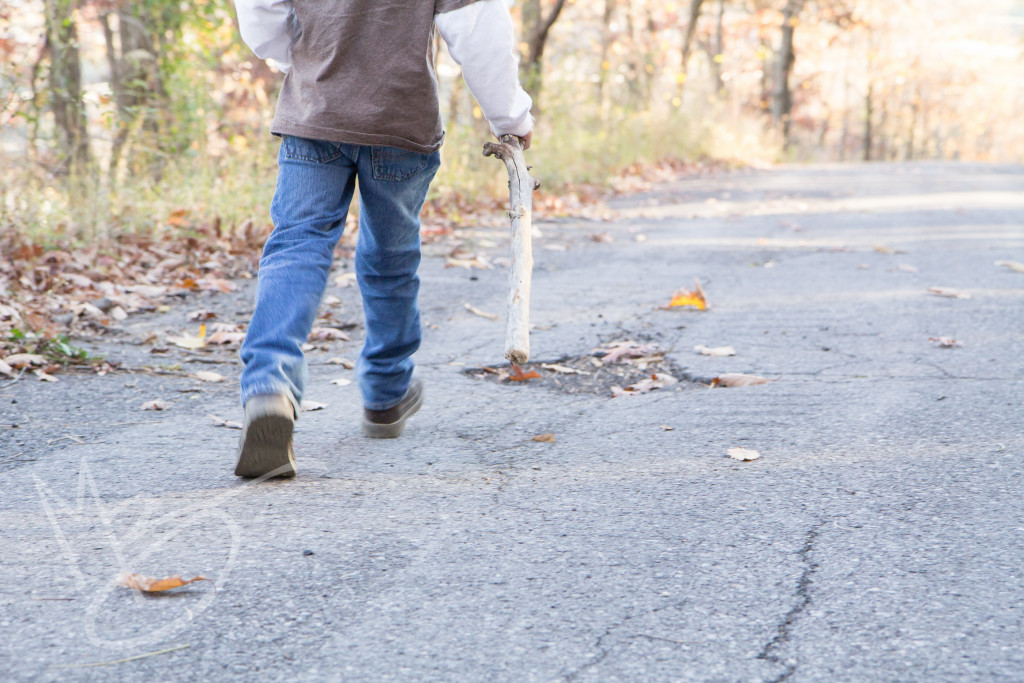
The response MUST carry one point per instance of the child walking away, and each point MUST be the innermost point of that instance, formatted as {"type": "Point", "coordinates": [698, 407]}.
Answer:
{"type": "Point", "coordinates": [358, 110]}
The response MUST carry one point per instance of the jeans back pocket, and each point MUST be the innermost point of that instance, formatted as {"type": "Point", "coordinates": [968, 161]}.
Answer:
{"type": "Point", "coordinates": [306, 149]}
{"type": "Point", "coordinates": [393, 163]}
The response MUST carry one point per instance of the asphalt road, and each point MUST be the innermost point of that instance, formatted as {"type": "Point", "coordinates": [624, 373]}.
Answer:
{"type": "Point", "coordinates": [880, 536]}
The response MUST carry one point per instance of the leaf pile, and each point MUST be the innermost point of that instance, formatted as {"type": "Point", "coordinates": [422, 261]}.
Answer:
{"type": "Point", "coordinates": [63, 288]}
{"type": "Point", "coordinates": [617, 368]}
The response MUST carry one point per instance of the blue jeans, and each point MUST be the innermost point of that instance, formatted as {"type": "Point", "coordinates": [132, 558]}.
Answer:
{"type": "Point", "coordinates": [315, 184]}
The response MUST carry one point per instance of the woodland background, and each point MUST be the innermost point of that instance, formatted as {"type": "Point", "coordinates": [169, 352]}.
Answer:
{"type": "Point", "coordinates": [140, 116]}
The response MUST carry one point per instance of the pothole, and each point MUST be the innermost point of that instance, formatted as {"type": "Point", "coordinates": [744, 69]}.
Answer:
{"type": "Point", "coordinates": [621, 364]}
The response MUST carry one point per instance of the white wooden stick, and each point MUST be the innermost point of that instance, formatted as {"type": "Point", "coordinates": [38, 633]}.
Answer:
{"type": "Point", "coordinates": [520, 190]}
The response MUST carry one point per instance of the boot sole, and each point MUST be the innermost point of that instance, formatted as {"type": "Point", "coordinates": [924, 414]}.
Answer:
{"type": "Point", "coordinates": [266, 448]}
{"type": "Point", "coordinates": [391, 430]}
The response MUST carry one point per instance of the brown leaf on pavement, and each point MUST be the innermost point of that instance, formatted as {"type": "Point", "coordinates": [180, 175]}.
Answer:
{"type": "Point", "coordinates": [154, 405]}
{"type": "Point", "coordinates": [221, 422]}
{"type": "Point", "coordinates": [743, 454]}
{"type": "Point", "coordinates": [483, 314]}
{"type": "Point", "coordinates": [328, 334]}
{"type": "Point", "coordinates": [738, 379]}
{"type": "Point", "coordinates": [948, 292]}
{"type": "Point", "coordinates": [226, 338]}
{"type": "Point", "coordinates": [518, 375]}
{"type": "Point", "coordinates": [714, 350]}
{"type": "Point", "coordinates": [148, 584]}
{"type": "Point", "coordinates": [563, 369]}
{"type": "Point", "coordinates": [44, 376]}
{"type": "Point", "coordinates": [201, 314]}
{"type": "Point", "coordinates": [545, 438]}
{"type": "Point", "coordinates": [345, 280]}
{"type": "Point", "coordinates": [23, 360]}
{"type": "Point", "coordinates": [617, 352]}
{"type": "Point", "coordinates": [657, 380]}
{"type": "Point", "coordinates": [6, 369]}
{"type": "Point", "coordinates": [945, 342]}
{"type": "Point", "coordinates": [187, 341]}
{"type": "Point", "coordinates": [686, 297]}
{"type": "Point", "coordinates": [1015, 266]}
{"type": "Point", "coordinates": [209, 376]}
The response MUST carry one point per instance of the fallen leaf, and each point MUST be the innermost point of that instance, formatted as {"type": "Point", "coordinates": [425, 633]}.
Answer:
{"type": "Point", "coordinates": [201, 314]}
{"type": "Point", "coordinates": [562, 369]}
{"type": "Point", "coordinates": [341, 382]}
{"type": "Point", "coordinates": [343, 362]}
{"type": "Point", "coordinates": [667, 428]}
{"type": "Point", "coordinates": [743, 454]}
{"type": "Point", "coordinates": [6, 369]}
{"type": "Point", "coordinates": [715, 350]}
{"type": "Point", "coordinates": [945, 342]}
{"type": "Point", "coordinates": [154, 405]}
{"type": "Point", "coordinates": [545, 438]}
{"type": "Point", "coordinates": [309, 406]}
{"type": "Point", "coordinates": [483, 314]}
{"type": "Point", "coordinates": [226, 338]}
{"type": "Point", "coordinates": [345, 280]}
{"type": "Point", "coordinates": [738, 379]}
{"type": "Point", "coordinates": [518, 375]}
{"type": "Point", "coordinates": [657, 380]}
{"type": "Point", "coordinates": [22, 360]}
{"type": "Point", "coordinates": [882, 249]}
{"type": "Point", "coordinates": [1015, 266]}
{"type": "Point", "coordinates": [216, 284]}
{"type": "Point", "coordinates": [209, 376]}
{"type": "Point", "coordinates": [685, 297]}
{"type": "Point", "coordinates": [187, 341]}
{"type": "Point", "coordinates": [477, 262]}
{"type": "Point", "coordinates": [221, 422]}
{"type": "Point", "coordinates": [327, 333]}
{"type": "Point", "coordinates": [148, 584]}
{"type": "Point", "coordinates": [601, 238]}
{"type": "Point", "coordinates": [44, 376]}
{"type": "Point", "coordinates": [331, 300]}
{"type": "Point", "coordinates": [617, 351]}
{"type": "Point", "coordinates": [948, 292]}
{"type": "Point", "coordinates": [118, 313]}
{"type": "Point", "coordinates": [906, 268]}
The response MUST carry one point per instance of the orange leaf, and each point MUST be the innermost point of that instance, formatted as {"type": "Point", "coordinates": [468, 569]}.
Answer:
{"type": "Point", "coordinates": [148, 584]}
{"type": "Point", "coordinates": [519, 376]}
{"type": "Point", "coordinates": [545, 438]}
{"type": "Point", "coordinates": [685, 297]}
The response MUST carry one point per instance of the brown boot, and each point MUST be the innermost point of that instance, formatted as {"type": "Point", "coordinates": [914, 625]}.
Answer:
{"type": "Point", "coordinates": [389, 423]}
{"type": "Point", "coordinates": [265, 448]}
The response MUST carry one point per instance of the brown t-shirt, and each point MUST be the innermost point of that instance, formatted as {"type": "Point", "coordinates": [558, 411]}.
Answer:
{"type": "Point", "coordinates": [363, 72]}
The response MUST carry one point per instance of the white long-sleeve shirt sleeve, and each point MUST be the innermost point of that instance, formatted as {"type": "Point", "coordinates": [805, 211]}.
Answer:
{"type": "Point", "coordinates": [481, 39]}
{"type": "Point", "coordinates": [268, 27]}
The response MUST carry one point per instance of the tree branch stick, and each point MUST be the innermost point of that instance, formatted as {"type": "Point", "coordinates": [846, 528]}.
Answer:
{"type": "Point", "coordinates": [520, 189]}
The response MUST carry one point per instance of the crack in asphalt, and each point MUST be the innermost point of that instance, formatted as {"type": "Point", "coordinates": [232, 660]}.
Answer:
{"type": "Point", "coordinates": [605, 651]}
{"type": "Point", "coordinates": [803, 600]}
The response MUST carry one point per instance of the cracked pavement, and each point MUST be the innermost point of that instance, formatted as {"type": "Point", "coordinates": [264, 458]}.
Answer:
{"type": "Point", "coordinates": [880, 536]}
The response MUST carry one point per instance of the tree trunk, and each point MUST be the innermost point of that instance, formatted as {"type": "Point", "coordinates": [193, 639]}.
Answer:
{"type": "Point", "coordinates": [691, 29]}
{"type": "Point", "coordinates": [782, 100]}
{"type": "Point", "coordinates": [718, 47]}
{"type": "Point", "coordinates": [867, 123]}
{"type": "Point", "coordinates": [536, 27]}
{"type": "Point", "coordinates": [606, 45]}
{"type": "Point", "coordinates": [135, 79]}
{"type": "Point", "coordinates": [65, 83]}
